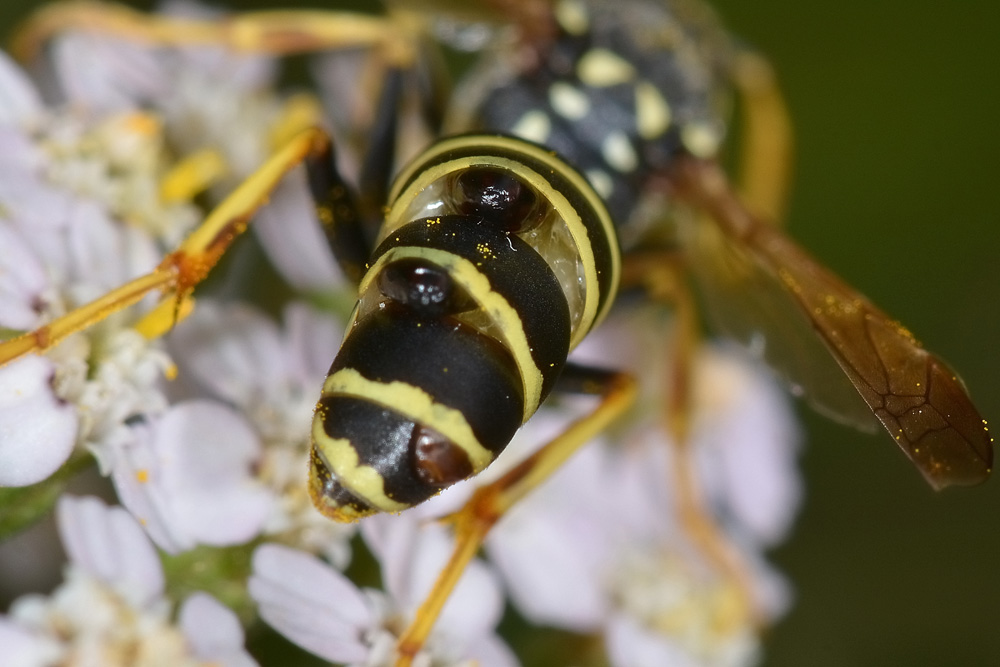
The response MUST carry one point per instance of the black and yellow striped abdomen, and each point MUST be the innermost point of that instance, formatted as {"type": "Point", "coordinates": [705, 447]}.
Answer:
{"type": "Point", "coordinates": [495, 259]}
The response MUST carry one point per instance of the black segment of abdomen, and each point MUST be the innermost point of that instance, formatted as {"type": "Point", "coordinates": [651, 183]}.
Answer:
{"type": "Point", "coordinates": [457, 366]}
{"type": "Point", "coordinates": [514, 270]}
{"type": "Point", "coordinates": [364, 423]}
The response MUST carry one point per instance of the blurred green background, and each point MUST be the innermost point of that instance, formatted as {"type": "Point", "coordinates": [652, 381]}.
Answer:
{"type": "Point", "coordinates": [896, 105]}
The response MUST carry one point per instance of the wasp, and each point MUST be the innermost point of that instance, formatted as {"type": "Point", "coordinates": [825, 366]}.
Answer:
{"type": "Point", "coordinates": [582, 156]}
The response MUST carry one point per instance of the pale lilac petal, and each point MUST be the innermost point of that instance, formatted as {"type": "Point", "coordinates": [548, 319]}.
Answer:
{"type": "Point", "coordinates": [22, 280]}
{"type": "Point", "coordinates": [412, 556]}
{"type": "Point", "coordinates": [19, 101]}
{"type": "Point", "coordinates": [23, 648]}
{"type": "Point", "coordinates": [135, 474]}
{"type": "Point", "coordinates": [191, 476]}
{"type": "Point", "coordinates": [293, 239]}
{"type": "Point", "coordinates": [210, 451]}
{"type": "Point", "coordinates": [18, 154]}
{"type": "Point", "coordinates": [213, 632]}
{"type": "Point", "coordinates": [313, 340]}
{"type": "Point", "coordinates": [109, 544]}
{"type": "Point", "coordinates": [39, 212]}
{"type": "Point", "coordinates": [552, 547]}
{"type": "Point", "coordinates": [491, 651]}
{"type": "Point", "coordinates": [310, 603]}
{"type": "Point", "coordinates": [643, 475]}
{"type": "Point", "coordinates": [550, 574]}
{"type": "Point", "coordinates": [773, 594]}
{"type": "Point", "coordinates": [630, 645]}
{"type": "Point", "coordinates": [105, 74]}
{"type": "Point", "coordinates": [37, 430]}
{"type": "Point", "coordinates": [92, 238]}
{"type": "Point", "coordinates": [748, 445]}
{"type": "Point", "coordinates": [233, 350]}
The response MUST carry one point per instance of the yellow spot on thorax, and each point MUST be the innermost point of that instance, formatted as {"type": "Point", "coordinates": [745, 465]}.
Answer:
{"type": "Point", "coordinates": [601, 68]}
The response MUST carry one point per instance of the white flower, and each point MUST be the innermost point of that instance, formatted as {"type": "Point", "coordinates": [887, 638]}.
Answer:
{"type": "Point", "coordinates": [187, 475]}
{"type": "Point", "coordinates": [599, 548]}
{"type": "Point", "coordinates": [111, 610]}
{"type": "Point", "coordinates": [273, 375]}
{"type": "Point", "coordinates": [325, 613]}
{"type": "Point", "coordinates": [64, 211]}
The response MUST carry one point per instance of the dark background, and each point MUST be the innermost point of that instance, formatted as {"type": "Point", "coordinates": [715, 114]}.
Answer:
{"type": "Point", "coordinates": [897, 113]}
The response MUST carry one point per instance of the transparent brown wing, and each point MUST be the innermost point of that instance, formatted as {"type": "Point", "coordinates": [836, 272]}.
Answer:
{"type": "Point", "coordinates": [745, 301]}
{"type": "Point", "coordinates": [921, 403]}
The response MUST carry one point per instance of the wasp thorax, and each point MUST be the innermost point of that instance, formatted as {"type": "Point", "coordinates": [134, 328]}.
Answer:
{"type": "Point", "coordinates": [422, 287]}
{"type": "Point", "coordinates": [499, 197]}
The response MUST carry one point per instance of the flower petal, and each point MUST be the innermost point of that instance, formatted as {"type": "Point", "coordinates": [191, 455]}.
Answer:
{"type": "Point", "coordinates": [310, 603]}
{"type": "Point", "coordinates": [213, 631]}
{"type": "Point", "coordinates": [23, 648]}
{"type": "Point", "coordinates": [37, 430]}
{"type": "Point", "coordinates": [293, 238]}
{"type": "Point", "coordinates": [412, 555]}
{"type": "Point", "coordinates": [106, 74]}
{"type": "Point", "coordinates": [747, 445]}
{"type": "Point", "coordinates": [22, 281]}
{"type": "Point", "coordinates": [631, 645]}
{"type": "Point", "coordinates": [19, 100]}
{"type": "Point", "coordinates": [192, 469]}
{"type": "Point", "coordinates": [110, 545]}
{"type": "Point", "coordinates": [233, 350]}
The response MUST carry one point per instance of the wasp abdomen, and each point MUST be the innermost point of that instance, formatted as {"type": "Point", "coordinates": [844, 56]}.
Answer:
{"type": "Point", "coordinates": [413, 405]}
{"type": "Point", "coordinates": [461, 332]}
{"type": "Point", "coordinates": [494, 260]}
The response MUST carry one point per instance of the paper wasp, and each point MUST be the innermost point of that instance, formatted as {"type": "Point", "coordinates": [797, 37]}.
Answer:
{"type": "Point", "coordinates": [563, 94]}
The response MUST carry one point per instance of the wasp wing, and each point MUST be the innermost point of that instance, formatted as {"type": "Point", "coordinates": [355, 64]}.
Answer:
{"type": "Point", "coordinates": [746, 302]}
{"type": "Point", "coordinates": [921, 403]}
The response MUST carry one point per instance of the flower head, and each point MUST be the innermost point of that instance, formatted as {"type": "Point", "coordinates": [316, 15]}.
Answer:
{"type": "Point", "coordinates": [111, 609]}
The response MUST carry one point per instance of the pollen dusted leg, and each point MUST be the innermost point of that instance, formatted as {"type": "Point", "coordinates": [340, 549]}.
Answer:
{"type": "Point", "coordinates": [489, 503]}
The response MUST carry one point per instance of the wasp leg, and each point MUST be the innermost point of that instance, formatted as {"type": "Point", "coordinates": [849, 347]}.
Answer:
{"type": "Point", "coordinates": [379, 162]}
{"type": "Point", "coordinates": [766, 154]}
{"type": "Point", "coordinates": [661, 274]}
{"type": "Point", "coordinates": [489, 503]}
{"type": "Point", "coordinates": [278, 32]}
{"type": "Point", "coordinates": [186, 266]}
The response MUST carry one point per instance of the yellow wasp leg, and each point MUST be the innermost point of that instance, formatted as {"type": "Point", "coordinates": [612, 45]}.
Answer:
{"type": "Point", "coordinates": [489, 503]}
{"type": "Point", "coordinates": [662, 275]}
{"type": "Point", "coordinates": [186, 266]}
{"type": "Point", "coordinates": [203, 168]}
{"type": "Point", "coordinates": [766, 154]}
{"type": "Point", "coordinates": [278, 32]}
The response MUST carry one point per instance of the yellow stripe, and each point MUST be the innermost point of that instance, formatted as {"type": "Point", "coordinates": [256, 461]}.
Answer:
{"type": "Point", "coordinates": [497, 308]}
{"type": "Point", "coordinates": [414, 404]}
{"type": "Point", "coordinates": [363, 481]}
{"type": "Point", "coordinates": [565, 210]}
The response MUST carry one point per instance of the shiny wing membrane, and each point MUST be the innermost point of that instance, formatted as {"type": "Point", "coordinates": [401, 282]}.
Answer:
{"type": "Point", "coordinates": [761, 285]}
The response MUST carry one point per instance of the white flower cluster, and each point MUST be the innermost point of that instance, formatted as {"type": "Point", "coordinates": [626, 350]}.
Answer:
{"type": "Point", "coordinates": [218, 456]}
